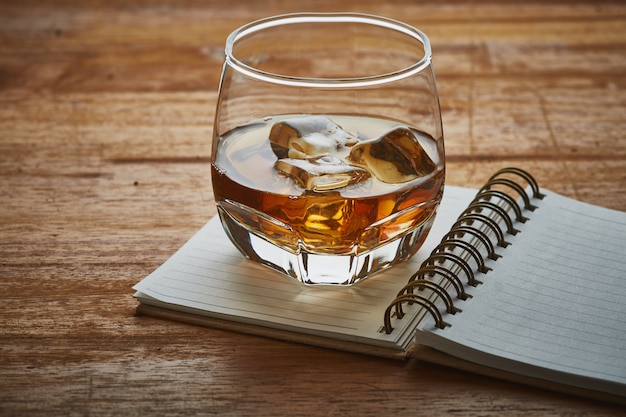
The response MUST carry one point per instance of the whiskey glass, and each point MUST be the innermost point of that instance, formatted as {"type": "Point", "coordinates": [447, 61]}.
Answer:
{"type": "Point", "coordinates": [327, 154]}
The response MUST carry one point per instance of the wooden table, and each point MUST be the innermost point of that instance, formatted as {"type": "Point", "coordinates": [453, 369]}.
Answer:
{"type": "Point", "coordinates": [106, 113]}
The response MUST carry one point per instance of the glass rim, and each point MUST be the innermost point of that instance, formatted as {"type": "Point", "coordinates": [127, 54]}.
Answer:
{"type": "Point", "coordinates": [293, 18]}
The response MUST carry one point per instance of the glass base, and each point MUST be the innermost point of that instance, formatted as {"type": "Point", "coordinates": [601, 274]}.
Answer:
{"type": "Point", "coordinates": [311, 268]}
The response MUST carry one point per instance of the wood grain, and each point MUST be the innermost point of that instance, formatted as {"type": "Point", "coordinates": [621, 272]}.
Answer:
{"type": "Point", "coordinates": [106, 112]}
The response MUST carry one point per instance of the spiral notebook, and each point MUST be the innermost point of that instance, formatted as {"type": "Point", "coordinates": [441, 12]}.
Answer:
{"type": "Point", "coordinates": [513, 282]}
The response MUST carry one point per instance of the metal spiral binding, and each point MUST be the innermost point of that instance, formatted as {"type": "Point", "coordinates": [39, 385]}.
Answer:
{"type": "Point", "coordinates": [501, 195]}
{"type": "Point", "coordinates": [428, 304]}
{"type": "Point", "coordinates": [453, 243]}
{"type": "Point", "coordinates": [513, 185]}
{"type": "Point", "coordinates": [469, 218]}
{"type": "Point", "coordinates": [421, 284]}
{"type": "Point", "coordinates": [442, 268]}
{"type": "Point", "coordinates": [482, 205]}
{"type": "Point", "coordinates": [525, 175]}
{"type": "Point", "coordinates": [445, 273]}
{"type": "Point", "coordinates": [460, 230]}
{"type": "Point", "coordinates": [441, 258]}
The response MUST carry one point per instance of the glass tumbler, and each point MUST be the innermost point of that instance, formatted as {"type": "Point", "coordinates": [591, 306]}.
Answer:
{"type": "Point", "coordinates": [327, 154]}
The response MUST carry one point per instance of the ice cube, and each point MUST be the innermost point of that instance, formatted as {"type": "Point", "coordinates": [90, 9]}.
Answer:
{"type": "Point", "coordinates": [309, 136]}
{"type": "Point", "coordinates": [394, 157]}
{"type": "Point", "coordinates": [322, 173]}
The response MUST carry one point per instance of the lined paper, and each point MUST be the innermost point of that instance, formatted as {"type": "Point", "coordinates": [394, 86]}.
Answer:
{"type": "Point", "coordinates": [551, 308]}
{"type": "Point", "coordinates": [208, 276]}
{"type": "Point", "coordinates": [554, 307]}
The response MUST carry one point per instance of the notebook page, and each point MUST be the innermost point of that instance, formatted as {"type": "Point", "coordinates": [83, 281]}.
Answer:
{"type": "Point", "coordinates": [554, 301]}
{"type": "Point", "coordinates": [209, 276]}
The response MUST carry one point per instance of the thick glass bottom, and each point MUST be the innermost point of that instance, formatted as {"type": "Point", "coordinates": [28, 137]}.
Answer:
{"type": "Point", "coordinates": [312, 268]}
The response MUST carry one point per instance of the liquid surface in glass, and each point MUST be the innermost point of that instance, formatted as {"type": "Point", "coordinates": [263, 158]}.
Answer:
{"type": "Point", "coordinates": [335, 185]}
